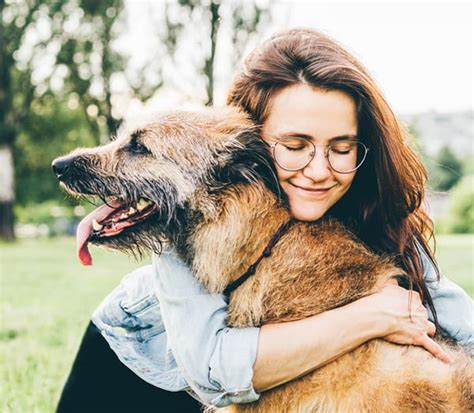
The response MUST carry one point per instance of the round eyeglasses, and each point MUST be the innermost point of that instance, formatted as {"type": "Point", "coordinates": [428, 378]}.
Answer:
{"type": "Point", "coordinates": [295, 153]}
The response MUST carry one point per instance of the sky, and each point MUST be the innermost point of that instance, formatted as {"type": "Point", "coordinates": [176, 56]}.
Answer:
{"type": "Point", "coordinates": [419, 52]}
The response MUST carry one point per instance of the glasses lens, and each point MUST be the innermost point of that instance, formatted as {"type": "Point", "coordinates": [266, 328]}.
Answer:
{"type": "Point", "coordinates": [296, 153]}
{"type": "Point", "coordinates": [293, 154]}
{"type": "Point", "coordinates": [346, 156]}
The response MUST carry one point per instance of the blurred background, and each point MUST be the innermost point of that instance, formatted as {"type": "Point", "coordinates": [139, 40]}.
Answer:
{"type": "Point", "coordinates": [73, 71]}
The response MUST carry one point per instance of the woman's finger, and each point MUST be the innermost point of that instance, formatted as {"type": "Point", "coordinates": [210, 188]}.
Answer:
{"type": "Point", "coordinates": [435, 349]}
{"type": "Point", "coordinates": [431, 329]}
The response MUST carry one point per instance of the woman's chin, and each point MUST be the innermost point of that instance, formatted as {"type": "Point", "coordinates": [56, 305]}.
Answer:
{"type": "Point", "coordinates": [307, 214]}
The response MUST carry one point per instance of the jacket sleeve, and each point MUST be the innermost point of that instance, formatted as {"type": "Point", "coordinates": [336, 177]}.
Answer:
{"type": "Point", "coordinates": [454, 308]}
{"type": "Point", "coordinates": [216, 361]}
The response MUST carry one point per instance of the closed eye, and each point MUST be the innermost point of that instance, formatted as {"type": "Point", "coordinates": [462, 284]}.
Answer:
{"type": "Point", "coordinates": [343, 147]}
{"type": "Point", "coordinates": [294, 148]}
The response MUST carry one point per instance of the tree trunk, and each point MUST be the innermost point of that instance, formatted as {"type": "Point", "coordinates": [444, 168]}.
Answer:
{"type": "Point", "coordinates": [7, 193]}
{"type": "Point", "coordinates": [209, 63]}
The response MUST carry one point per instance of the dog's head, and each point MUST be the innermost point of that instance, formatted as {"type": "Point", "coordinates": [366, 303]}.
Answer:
{"type": "Point", "coordinates": [157, 178]}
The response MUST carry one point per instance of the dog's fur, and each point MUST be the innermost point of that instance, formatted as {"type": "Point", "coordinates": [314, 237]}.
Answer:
{"type": "Point", "coordinates": [219, 205]}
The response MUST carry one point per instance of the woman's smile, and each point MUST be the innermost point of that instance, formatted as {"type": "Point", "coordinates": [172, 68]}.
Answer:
{"type": "Point", "coordinates": [312, 192]}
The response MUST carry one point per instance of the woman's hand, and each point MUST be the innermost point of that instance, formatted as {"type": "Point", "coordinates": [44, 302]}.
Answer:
{"type": "Point", "coordinates": [406, 319]}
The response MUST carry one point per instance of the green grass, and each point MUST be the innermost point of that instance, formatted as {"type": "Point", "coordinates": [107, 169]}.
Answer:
{"type": "Point", "coordinates": [47, 298]}
{"type": "Point", "coordinates": [455, 255]}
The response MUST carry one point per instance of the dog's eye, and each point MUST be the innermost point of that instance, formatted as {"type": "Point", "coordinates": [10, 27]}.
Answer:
{"type": "Point", "coordinates": [136, 147]}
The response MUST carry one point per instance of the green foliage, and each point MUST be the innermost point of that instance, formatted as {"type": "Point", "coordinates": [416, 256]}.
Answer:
{"type": "Point", "coordinates": [42, 213]}
{"type": "Point", "coordinates": [460, 216]}
{"type": "Point", "coordinates": [48, 212]}
{"type": "Point", "coordinates": [61, 62]}
{"type": "Point", "coordinates": [49, 130]}
{"type": "Point", "coordinates": [448, 170]}
{"type": "Point", "coordinates": [468, 165]}
{"type": "Point", "coordinates": [91, 61]}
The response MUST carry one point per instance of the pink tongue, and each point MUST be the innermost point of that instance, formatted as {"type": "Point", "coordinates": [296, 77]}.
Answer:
{"type": "Point", "coordinates": [84, 230]}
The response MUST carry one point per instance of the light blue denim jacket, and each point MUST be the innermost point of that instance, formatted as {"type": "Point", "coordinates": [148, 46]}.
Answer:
{"type": "Point", "coordinates": [181, 342]}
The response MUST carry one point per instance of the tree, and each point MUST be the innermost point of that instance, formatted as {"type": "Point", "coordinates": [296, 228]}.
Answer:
{"type": "Point", "coordinates": [47, 46]}
{"type": "Point", "coordinates": [16, 93]}
{"type": "Point", "coordinates": [204, 23]}
{"type": "Point", "coordinates": [54, 125]}
{"type": "Point", "coordinates": [67, 49]}
{"type": "Point", "coordinates": [449, 170]}
{"type": "Point", "coordinates": [93, 63]}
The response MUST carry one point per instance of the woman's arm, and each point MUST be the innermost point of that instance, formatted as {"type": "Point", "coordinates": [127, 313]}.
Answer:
{"type": "Point", "coordinates": [224, 365]}
{"type": "Point", "coordinates": [289, 350]}
{"type": "Point", "coordinates": [215, 360]}
{"type": "Point", "coordinates": [381, 315]}
{"type": "Point", "coordinates": [454, 308]}
{"type": "Point", "coordinates": [292, 349]}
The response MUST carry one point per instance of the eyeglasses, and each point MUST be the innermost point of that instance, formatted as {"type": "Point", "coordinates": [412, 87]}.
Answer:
{"type": "Point", "coordinates": [295, 153]}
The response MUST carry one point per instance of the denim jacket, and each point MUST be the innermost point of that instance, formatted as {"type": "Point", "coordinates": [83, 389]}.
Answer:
{"type": "Point", "coordinates": [196, 351]}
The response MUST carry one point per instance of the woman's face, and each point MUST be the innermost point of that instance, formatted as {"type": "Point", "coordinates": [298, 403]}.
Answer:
{"type": "Point", "coordinates": [319, 116]}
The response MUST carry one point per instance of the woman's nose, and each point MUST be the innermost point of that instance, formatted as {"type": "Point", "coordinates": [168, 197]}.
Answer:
{"type": "Point", "coordinates": [319, 168]}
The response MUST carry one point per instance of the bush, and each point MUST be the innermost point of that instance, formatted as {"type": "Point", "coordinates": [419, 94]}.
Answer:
{"type": "Point", "coordinates": [460, 216]}
{"type": "Point", "coordinates": [49, 218]}
{"type": "Point", "coordinates": [446, 170]}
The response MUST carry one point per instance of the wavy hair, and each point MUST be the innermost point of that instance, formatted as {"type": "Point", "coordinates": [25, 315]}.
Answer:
{"type": "Point", "coordinates": [384, 205]}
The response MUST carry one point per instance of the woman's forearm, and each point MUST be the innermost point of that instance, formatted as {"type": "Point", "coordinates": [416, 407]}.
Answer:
{"type": "Point", "coordinates": [289, 350]}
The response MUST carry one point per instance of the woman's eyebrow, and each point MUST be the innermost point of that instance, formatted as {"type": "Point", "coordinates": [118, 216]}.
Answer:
{"type": "Point", "coordinates": [311, 138]}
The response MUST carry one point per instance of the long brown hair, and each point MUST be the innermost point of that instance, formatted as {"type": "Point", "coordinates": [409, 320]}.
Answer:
{"type": "Point", "coordinates": [384, 203]}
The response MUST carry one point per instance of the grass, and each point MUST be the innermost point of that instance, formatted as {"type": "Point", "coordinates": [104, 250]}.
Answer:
{"type": "Point", "coordinates": [47, 298]}
{"type": "Point", "coordinates": [455, 255]}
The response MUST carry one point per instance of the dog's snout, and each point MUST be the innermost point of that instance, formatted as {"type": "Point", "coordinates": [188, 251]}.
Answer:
{"type": "Point", "coordinates": [60, 166]}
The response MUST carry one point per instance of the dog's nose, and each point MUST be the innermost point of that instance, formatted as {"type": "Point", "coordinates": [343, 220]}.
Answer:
{"type": "Point", "coordinates": [60, 166]}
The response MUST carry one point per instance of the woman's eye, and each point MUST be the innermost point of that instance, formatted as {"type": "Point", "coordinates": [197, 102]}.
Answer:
{"type": "Point", "coordinates": [294, 148]}
{"type": "Point", "coordinates": [343, 148]}
{"type": "Point", "coordinates": [341, 151]}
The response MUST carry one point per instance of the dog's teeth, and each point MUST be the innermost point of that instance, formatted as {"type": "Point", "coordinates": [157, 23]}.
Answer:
{"type": "Point", "coordinates": [96, 226]}
{"type": "Point", "coordinates": [142, 204]}
{"type": "Point", "coordinates": [132, 210]}
{"type": "Point", "coordinates": [123, 216]}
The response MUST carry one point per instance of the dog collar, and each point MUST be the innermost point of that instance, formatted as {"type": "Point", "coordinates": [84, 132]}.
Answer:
{"type": "Point", "coordinates": [266, 253]}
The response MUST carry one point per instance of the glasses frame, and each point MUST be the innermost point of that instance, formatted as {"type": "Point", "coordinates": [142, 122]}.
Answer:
{"type": "Point", "coordinates": [326, 155]}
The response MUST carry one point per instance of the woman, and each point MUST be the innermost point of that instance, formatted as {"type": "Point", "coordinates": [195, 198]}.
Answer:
{"type": "Point", "coordinates": [302, 86]}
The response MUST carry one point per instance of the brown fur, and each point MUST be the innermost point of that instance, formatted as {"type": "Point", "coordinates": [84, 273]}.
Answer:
{"type": "Point", "coordinates": [226, 215]}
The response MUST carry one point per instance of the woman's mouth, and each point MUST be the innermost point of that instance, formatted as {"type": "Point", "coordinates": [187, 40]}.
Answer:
{"type": "Point", "coordinates": [313, 192]}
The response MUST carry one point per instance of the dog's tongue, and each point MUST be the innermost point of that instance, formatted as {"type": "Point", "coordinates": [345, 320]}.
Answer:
{"type": "Point", "coordinates": [84, 230]}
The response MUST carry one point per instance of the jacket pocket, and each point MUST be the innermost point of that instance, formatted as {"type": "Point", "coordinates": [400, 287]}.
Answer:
{"type": "Point", "coordinates": [140, 304]}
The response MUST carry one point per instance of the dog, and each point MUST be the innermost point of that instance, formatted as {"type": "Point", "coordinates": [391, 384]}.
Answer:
{"type": "Point", "coordinates": [205, 183]}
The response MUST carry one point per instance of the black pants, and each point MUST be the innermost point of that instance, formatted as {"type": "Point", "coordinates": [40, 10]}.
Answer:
{"type": "Point", "coordinates": [100, 383]}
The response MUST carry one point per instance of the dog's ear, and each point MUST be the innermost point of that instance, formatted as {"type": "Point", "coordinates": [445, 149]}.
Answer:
{"type": "Point", "coordinates": [250, 161]}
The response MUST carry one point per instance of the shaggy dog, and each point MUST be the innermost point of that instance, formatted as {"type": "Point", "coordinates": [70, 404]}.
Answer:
{"type": "Point", "coordinates": [205, 183]}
